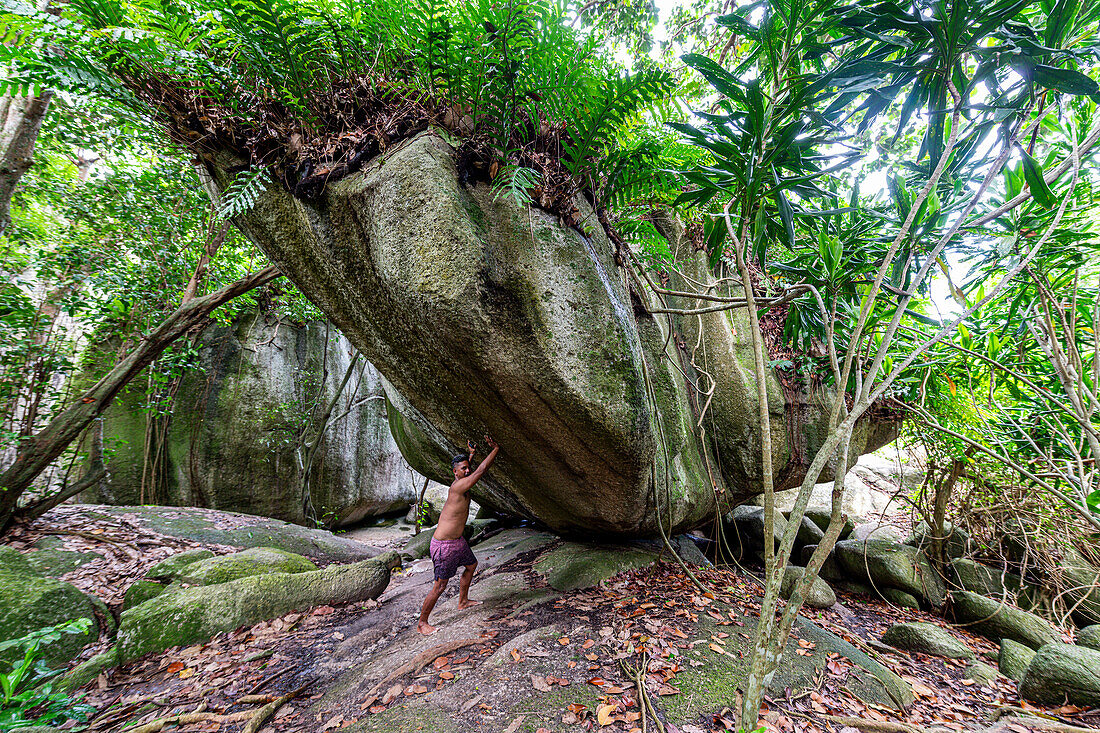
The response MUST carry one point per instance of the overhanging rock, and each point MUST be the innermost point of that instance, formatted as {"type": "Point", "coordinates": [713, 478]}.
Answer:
{"type": "Point", "coordinates": [485, 316]}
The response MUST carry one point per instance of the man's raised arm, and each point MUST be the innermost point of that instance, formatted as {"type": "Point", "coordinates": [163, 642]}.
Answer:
{"type": "Point", "coordinates": [484, 465]}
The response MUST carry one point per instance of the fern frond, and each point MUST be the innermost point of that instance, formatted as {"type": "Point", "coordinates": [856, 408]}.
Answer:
{"type": "Point", "coordinates": [242, 193]}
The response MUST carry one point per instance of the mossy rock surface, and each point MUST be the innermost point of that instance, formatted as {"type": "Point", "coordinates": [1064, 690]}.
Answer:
{"type": "Point", "coordinates": [819, 595]}
{"type": "Point", "coordinates": [254, 561]}
{"type": "Point", "coordinates": [191, 615]}
{"type": "Point", "coordinates": [926, 638]}
{"type": "Point", "coordinates": [995, 620]}
{"type": "Point", "coordinates": [49, 557]}
{"type": "Point", "coordinates": [955, 539]}
{"type": "Point", "coordinates": [141, 591]}
{"type": "Point", "coordinates": [1084, 583]}
{"type": "Point", "coordinates": [1089, 637]}
{"type": "Point", "coordinates": [29, 602]}
{"type": "Point", "coordinates": [886, 564]}
{"type": "Point", "coordinates": [242, 531]}
{"type": "Point", "coordinates": [982, 579]}
{"type": "Point", "coordinates": [1014, 658]}
{"type": "Point", "coordinates": [576, 565]}
{"type": "Point", "coordinates": [981, 673]}
{"type": "Point", "coordinates": [170, 567]}
{"type": "Point", "coordinates": [899, 598]}
{"type": "Point", "coordinates": [1061, 672]}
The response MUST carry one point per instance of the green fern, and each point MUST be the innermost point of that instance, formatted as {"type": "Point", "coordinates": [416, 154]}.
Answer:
{"type": "Point", "coordinates": [618, 99]}
{"type": "Point", "coordinates": [513, 182]}
{"type": "Point", "coordinates": [242, 193]}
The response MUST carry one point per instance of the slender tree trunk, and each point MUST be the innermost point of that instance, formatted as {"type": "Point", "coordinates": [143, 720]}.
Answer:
{"type": "Point", "coordinates": [20, 120]}
{"type": "Point", "coordinates": [39, 450]}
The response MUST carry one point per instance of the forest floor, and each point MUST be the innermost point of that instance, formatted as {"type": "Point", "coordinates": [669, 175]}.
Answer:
{"type": "Point", "coordinates": [531, 657]}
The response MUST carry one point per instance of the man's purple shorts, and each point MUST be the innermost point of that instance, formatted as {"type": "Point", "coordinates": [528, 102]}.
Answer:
{"type": "Point", "coordinates": [449, 555]}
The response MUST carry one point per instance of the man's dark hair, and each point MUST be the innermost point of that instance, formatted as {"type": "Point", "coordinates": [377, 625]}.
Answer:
{"type": "Point", "coordinates": [459, 459]}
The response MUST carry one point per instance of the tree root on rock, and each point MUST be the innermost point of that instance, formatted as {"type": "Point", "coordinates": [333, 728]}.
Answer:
{"type": "Point", "coordinates": [420, 660]}
{"type": "Point", "coordinates": [263, 714]}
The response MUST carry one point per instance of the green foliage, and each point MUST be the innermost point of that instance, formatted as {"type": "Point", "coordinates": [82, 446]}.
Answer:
{"type": "Point", "coordinates": [253, 69]}
{"type": "Point", "coordinates": [243, 192]}
{"type": "Point", "coordinates": [27, 695]}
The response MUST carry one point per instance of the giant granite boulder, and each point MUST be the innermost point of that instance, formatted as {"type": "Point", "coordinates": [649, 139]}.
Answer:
{"type": "Point", "coordinates": [230, 443]}
{"type": "Point", "coordinates": [485, 315]}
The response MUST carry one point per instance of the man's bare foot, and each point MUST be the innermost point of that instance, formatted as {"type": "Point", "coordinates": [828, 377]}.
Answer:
{"type": "Point", "coordinates": [425, 628]}
{"type": "Point", "coordinates": [467, 603]}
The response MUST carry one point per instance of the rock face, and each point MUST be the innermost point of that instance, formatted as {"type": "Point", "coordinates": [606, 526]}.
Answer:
{"type": "Point", "coordinates": [1061, 672]}
{"type": "Point", "coordinates": [487, 316]}
{"type": "Point", "coordinates": [231, 442]}
{"type": "Point", "coordinates": [29, 602]}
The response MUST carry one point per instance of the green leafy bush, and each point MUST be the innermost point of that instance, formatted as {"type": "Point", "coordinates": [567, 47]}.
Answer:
{"type": "Point", "coordinates": [28, 697]}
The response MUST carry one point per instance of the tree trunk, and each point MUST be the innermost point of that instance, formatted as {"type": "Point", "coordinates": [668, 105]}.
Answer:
{"type": "Point", "coordinates": [20, 120]}
{"type": "Point", "coordinates": [38, 451]}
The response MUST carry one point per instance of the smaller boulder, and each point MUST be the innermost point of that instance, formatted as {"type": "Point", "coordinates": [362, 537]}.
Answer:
{"type": "Point", "coordinates": [821, 518]}
{"type": "Point", "coordinates": [1063, 672]}
{"type": "Point", "coordinates": [984, 580]}
{"type": "Point", "coordinates": [808, 533]}
{"type": "Point", "coordinates": [1089, 637]}
{"type": "Point", "coordinates": [244, 564]}
{"type": "Point", "coordinates": [885, 564]}
{"type": "Point", "coordinates": [980, 672]}
{"type": "Point", "coordinates": [956, 540]}
{"type": "Point", "coordinates": [995, 620]}
{"type": "Point", "coordinates": [1084, 586]}
{"type": "Point", "coordinates": [876, 531]}
{"type": "Point", "coordinates": [744, 528]}
{"type": "Point", "coordinates": [29, 602]}
{"type": "Point", "coordinates": [926, 638]}
{"type": "Point", "coordinates": [170, 567]}
{"type": "Point", "coordinates": [1014, 659]}
{"type": "Point", "coordinates": [417, 545]}
{"type": "Point", "coordinates": [830, 571]}
{"type": "Point", "coordinates": [899, 598]}
{"type": "Point", "coordinates": [819, 594]}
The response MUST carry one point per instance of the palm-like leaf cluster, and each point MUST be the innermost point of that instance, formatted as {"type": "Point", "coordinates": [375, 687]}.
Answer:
{"type": "Point", "coordinates": [251, 75]}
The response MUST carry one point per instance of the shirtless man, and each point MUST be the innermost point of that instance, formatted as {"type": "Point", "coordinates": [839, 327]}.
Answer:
{"type": "Point", "coordinates": [449, 549]}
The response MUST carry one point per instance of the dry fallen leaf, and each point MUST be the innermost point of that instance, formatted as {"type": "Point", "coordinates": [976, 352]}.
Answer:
{"type": "Point", "coordinates": [563, 640]}
{"type": "Point", "coordinates": [515, 724]}
{"type": "Point", "coordinates": [332, 723]}
{"type": "Point", "coordinates": [604, 714]}
{"type": "Point", "coordinates": [541, 683]}
{"type": "Point", "coordinates": [516, 656]}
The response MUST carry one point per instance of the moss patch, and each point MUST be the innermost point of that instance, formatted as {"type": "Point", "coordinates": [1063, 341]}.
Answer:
{"type": "Point", "coordinates": [575, 565]}
{"type": "Point", "coordinates": [254, 561]}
